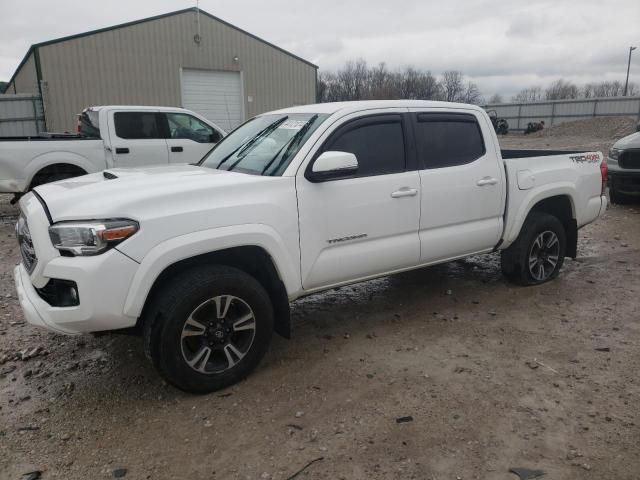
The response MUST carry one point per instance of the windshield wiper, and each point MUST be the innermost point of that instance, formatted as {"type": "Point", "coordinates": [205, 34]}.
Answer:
{"type": "Point", "coordinates": [245, 146]}
{"type": "Point", "coordinates": [293, 141]}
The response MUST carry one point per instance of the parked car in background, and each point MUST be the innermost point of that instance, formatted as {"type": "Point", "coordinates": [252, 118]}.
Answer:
{"type": "Point", "coordinates": [624, 168]}
{"type": "Point", "coordinates": [107, 137]}
{"type": "Point", "coordinates": [203, 260]}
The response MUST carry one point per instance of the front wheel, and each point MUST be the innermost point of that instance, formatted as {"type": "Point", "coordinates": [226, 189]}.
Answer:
{"type": "Point", "coordinates": [616, 197]}
{"type": "Point", "coordinates": [538, 253]}
{"type": "Point", "coordinates": [210, 327]}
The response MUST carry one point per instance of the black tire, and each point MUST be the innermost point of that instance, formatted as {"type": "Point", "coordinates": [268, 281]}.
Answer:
{"type": "Point", "coordinates": [515, 260]}
{"type": "Point", "coordinates": [193, 292]}
{"type": "Point", "coordinates": [616, 197]}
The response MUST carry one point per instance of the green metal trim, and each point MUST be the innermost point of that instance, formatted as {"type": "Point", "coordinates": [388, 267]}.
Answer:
{"type": "Point", "coordinates": [35, 46]}
{"type": "Point", "coordinates": [36, 57]}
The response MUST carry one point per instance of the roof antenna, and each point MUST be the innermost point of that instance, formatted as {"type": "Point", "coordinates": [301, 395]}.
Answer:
{"type": "Point", "coordinates": [197, 38]}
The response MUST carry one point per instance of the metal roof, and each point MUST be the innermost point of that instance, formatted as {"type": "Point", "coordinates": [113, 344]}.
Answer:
{"type": "Point", "coordinates": [149, 19]}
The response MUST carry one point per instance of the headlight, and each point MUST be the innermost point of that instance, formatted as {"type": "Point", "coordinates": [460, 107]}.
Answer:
{"type": "Point", "coordinates": [614, 153]}
{"type": "Point", "coordinates": [92, 237]}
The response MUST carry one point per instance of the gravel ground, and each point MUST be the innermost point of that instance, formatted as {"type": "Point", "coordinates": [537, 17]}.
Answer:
{"type": "Point", "coordinates": [444, 373]}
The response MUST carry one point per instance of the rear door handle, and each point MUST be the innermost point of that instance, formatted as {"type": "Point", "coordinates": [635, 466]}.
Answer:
{"type": "Point", "coordinates": [404, 192]}
{"type": "Point", "coordinates": [177, 149]}
{"type": "Point", "coordinates": [122, 150]}
{"type": "Point", "coordinates": [487, 181]}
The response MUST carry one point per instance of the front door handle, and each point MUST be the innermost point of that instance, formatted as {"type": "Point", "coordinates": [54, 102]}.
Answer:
{"type": "Point", "coordinates": [177, 149]}
{"type": "Point", "coordinates": [122, 150]}
{"type": "Point", "coordinates": [487, 181]}
{"type": "Point", "coordinates": [404, 192]}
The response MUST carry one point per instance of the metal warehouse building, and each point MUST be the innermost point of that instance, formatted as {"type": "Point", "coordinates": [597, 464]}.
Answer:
{"type": "Point", "coordinates": [187, 58]}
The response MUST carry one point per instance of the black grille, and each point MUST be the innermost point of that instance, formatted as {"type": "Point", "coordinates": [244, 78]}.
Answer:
{"type": "Point", "coordinates": [27, 251]}
{"type": "Point", "coordinates": [630, 159]}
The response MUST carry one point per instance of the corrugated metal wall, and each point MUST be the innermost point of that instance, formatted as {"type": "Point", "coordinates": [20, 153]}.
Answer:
{"type": "Point", "coordinates": [20, 115]}
{"type": "Point", "coordinates": [140, 64]}
{"type": "Point", "coordinates": [559, 111]}
{"type": "Point", "coordinates": [26, 79]}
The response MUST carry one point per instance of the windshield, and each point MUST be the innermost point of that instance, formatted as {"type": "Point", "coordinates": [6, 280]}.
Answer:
{"type": "Point", "coordinates": [264, 145]}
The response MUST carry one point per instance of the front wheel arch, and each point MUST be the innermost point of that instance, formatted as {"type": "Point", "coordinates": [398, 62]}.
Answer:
{"type": "Point", "coordinates": [252, 260]}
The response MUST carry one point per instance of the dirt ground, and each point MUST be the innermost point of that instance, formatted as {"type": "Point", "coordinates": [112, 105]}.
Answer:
{"type": "Point", "coordinates": [488, 376]}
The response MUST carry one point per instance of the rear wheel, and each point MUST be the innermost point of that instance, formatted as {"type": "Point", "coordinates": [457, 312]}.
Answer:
{"type": "Point", "coordinates": [56, 172]}
{"type": "Point", "coordinates": [537, 255]}
{"type": "Point", "coordinates": [210, 328]}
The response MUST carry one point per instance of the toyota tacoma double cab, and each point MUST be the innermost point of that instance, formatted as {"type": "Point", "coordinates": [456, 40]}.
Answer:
{"type": "Point", "coordinates": [203, 260]}
{"type": "Point", "coordinates": [109, 136]}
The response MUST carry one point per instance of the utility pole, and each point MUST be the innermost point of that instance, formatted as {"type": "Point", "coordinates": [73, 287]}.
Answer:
{"type": "Point", "coordinates": [626, 83]}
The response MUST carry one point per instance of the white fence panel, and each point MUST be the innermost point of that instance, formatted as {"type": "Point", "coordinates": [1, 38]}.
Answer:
{"type": "Point", "coordinates": [560, 111]}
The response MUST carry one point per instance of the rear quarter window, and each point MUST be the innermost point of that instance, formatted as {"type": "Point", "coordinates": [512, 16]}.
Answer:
{"type": "Point", "coordinates": [447, 140]}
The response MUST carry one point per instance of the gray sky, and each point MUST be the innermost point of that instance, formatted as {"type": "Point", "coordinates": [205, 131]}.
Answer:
{"type": "Point", "coordinates": [502, 45]}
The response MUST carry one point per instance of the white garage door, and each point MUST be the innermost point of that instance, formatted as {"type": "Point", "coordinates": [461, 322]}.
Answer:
{"type": "Point", "coordinates": [215, 95]}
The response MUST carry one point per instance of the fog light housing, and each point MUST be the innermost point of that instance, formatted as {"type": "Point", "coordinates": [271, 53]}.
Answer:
{"type": "Point", "coordinates": [60, 293]}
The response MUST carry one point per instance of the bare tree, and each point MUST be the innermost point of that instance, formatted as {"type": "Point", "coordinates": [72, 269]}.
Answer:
{"type": "Point", "coordinates": [356, 81]}
{"type": "Point", "coordinates": [471, 94]}
{"type": "Point", "coordinates": [452, 85]}
{"type": "Point", "coordinates": [527, 95]}
{"type": "Point", "coordinates": [495, 99]}
{"type": "Point", "coordinates": [561, 90]}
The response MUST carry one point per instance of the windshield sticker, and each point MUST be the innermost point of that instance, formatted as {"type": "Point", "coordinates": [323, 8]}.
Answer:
{"type": "Point", "coordinates": [293, 124]}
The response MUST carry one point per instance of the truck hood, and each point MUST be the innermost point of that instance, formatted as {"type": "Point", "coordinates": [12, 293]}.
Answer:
{"type": "Point", "coordinates": [122, 192]}
{"type": "Point", "coordinates": [630, 141]}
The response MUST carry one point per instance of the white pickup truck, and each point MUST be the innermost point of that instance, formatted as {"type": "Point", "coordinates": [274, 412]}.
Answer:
{"type": "Point", "coordinates": [112, 136]}
{"type": "Point", "coordinates": [204, 260]}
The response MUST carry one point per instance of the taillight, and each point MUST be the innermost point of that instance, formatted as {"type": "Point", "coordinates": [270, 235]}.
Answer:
{"type": "Point", "coordinates": [604, 172]}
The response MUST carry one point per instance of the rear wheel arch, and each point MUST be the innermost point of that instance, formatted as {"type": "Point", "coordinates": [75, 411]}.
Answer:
{"type": "Point", "coordinates": [253, 260]}
{"type": "Point", "coordinates": [55, 171]}
{"type": "Point", "coordinates": [562, 207]}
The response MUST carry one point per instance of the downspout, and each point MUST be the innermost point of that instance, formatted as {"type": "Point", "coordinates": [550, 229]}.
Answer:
{"type": "Point", "coordinates": [36, 58]}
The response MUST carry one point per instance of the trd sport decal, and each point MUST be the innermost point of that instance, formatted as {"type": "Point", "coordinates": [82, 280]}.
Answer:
{"type": "Point", "coordinates": [589, 158]}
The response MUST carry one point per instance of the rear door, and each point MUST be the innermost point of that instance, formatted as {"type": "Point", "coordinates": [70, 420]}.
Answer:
{"type": "Point", "coordinates": [137, 138]}
{"type": "Point", "coordinates": [188, 138]}
{"type": "Point", "coordinates": [366, 223]}
{"type": "Point", "coordinates": [462, 184]}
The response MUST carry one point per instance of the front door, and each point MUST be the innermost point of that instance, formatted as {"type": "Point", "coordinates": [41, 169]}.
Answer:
{"type": "Point", "coordinates": [189, 138]}
{"type": "Point", "coordinates": [137, 139]}
{"type": "Point", "coordinates": [364, 224]}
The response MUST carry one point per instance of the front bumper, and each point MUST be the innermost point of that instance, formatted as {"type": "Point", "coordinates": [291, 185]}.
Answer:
{"type": "Point", "coordinates": [103, 284]}
{"type": "Point", "coordinates": [626, 182]}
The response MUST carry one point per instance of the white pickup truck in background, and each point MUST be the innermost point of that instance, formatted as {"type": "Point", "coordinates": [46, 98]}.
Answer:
{"type": "Point", "coordinates": [203, 260]}
{"type": "Point", "coordinates": [108, 137]}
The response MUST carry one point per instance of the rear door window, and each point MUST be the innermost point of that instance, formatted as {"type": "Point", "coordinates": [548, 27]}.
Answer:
{"type": "Point", "coordinates": [448, 140]}
{"type": "Point", "coordinates": [138, 125]}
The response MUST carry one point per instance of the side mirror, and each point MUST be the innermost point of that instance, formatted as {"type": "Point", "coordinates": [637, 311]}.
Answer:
{"type": "Point", "coordinates": [333, 165]}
